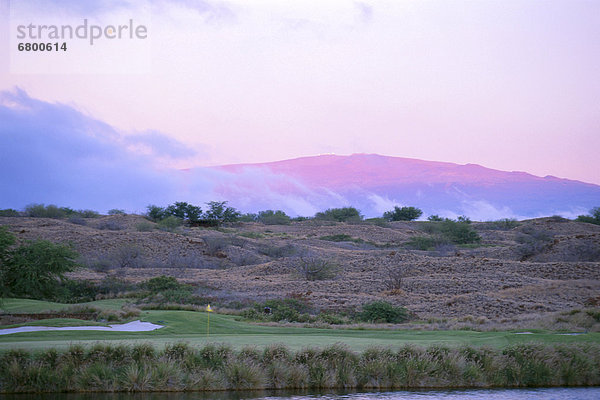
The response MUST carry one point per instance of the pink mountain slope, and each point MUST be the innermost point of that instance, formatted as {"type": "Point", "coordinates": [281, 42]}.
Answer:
{"type": "Point", "coordinates": [371, 181]}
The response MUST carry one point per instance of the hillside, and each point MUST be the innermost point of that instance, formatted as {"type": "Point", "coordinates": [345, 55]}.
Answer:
{"type": "Point", "coordinates": [540, 265]}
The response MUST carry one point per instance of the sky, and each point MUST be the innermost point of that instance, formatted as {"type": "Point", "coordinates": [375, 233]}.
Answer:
{"type": "Point", "coordinates": [511, 85]}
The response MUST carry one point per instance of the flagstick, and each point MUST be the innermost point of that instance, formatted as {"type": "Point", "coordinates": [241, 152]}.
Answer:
{"type": "Point", "coordinates": [208, 324]}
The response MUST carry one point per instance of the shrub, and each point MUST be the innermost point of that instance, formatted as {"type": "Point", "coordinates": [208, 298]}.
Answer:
{"type": "Point", "coordinates": [170, 223]}
{"type": "Point", "coordinates": [337, 238]}
{"type": "Point", "coordinates": [459, 232]}
{"type": "Point", "coordinates": [435, 218]}
{"type": "Point", "coordinates": [346, 214]}
{"type": "Point", "coordinates": [504, 224]}
{"type": "Point", "coordinates": [116, 211]}
{"type": "Point", "coordinates": [41, 211]}
{"type": "Point", "coordinates": [9, 212]}
{"type": "Point", "coordinates": [248, 217]}
{"type": "Point", "coordinates": [34, 269]}
{"type": "Point", "coordinates": [403, 214]}
{"type": "Point", "coordinates": [215, 245]}
{"type": "Point", "coordinates": [87, 213]}
{"type": "Point", "coordinates": [161, 283]}
{"type": "Point", "coordinates": [270, 217]}
{"type": "Point", "coordinates": [532, 242]}
{"type": "Point", "coordinates": [593, 218]}
{"type": "Point", "coordinates": [78, 220]}
{"type": "Point", "coordinates": [381, 311]}
{"type": "Point", "coordinates": [381, 222]}
{"type": "Point", "coordinates": [286, 250]}
{"type": "Point", "coordinates": [128, 256]}
{"type": "Point", "coordinates": [394, 277]}
{"type": "Point", "coordinates": [315, 269]}
{"type": "Point", "coordinates": [423, 242]}
{"type": "Point", "coordinates": [144, 226]}
{"type": "Point", "coordinates": [288, 309]}
{"type": "Point", "coordinates": [110, 226]}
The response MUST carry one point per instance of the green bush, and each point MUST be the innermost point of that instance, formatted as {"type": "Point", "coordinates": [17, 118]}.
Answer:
{"type": "Point", "coordinates": [116, 211]}
{"type": "Point", "coordinates": [9, 212]}
{"type": "Point", "coordinates": [248, 217]}
{"type": "Point", "coordinates": [381, 311]}
{"type": "Point", "coordinates": [41, 211]}
{"type": "Point", "coordinates": [403, 214]}
{"type": "Point", "coordinates": [161, 283]}
{"type": "Point", "coordinates": [288, 309]}
{"type": "Point", "coordinates": [424, 242]}
{"type": "Point", "coordinates": [170, 223]}
{"type": "Point", "coordinates": [338, 238]}
{"type": "Point", "coordinates": [459, 232]}
{"type": "Point", "coordinates": [593, 218]}
{"type": "Point", "coordinates": [346, 214]}
{"type": "Point", "coordinates": [435, 218]}
{"type": "Point", "coordinates": [381, 222]}
{"type": "Point", "coordinates": [270, 217]}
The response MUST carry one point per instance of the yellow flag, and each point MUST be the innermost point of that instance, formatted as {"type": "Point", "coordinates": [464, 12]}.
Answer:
{"type": "Point", "coordinates": [208, 308]}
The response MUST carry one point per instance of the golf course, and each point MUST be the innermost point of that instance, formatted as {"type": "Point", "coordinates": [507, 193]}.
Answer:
{"type": "Point", "coordinates": [191, 327]}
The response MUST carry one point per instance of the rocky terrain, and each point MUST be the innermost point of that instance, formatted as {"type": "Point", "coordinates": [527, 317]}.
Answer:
{"type": "Point", "coordinates": [530, 267]}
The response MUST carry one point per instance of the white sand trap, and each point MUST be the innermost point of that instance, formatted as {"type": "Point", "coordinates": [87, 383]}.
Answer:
{"type": "Point", "coordinates": [523, 333]}
{"type": "Point", "coordinates": [134, 326]}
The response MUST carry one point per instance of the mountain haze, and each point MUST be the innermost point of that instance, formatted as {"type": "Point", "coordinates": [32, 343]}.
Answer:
{"type": "Point", "coordinates": [375, 183]}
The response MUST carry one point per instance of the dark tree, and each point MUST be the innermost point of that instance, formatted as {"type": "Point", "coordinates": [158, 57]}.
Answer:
{"type": "Point", "coordinates": [345, 214]}
{"type": "Point", "coordinates": [403, 214]}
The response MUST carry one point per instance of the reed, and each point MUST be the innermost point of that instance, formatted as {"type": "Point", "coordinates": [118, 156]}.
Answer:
{"type": "Point", "coordinates": [182, 367]}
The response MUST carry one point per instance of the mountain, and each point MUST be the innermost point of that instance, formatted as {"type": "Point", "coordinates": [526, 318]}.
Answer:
{"type": "Point", "coordinates": [375, 183]}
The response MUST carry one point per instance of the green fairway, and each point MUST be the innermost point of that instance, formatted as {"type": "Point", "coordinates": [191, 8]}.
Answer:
{"type": "Point", "coordinates": [191, 327]}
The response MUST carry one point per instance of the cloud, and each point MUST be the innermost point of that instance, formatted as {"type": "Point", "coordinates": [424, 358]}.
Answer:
{"type": "Point", "coordinates": [365, 11]}
{"type": "Point", "coordinates": [381, 204]}
{"type": "Point", "coordinates": [156, 144]}
{"type": "Point", "coordinates": [73, 7]}
{"type": "Point", "coordinates": [214, 10]}
{"type": "Point", "coordinates": [53, 153]}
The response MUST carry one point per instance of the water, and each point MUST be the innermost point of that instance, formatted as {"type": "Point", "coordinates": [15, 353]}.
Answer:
{"type": "Point", "coordinates": [492, 394]}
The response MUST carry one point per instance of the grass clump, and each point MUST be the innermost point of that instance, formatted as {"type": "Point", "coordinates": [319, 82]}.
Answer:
{"type": "Point", "coordinates": [181, 367]}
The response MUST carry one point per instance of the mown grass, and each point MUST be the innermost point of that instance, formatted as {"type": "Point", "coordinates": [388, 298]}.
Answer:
{"type": "Point", "coordinates": [57, 322]}
{"type": "Point", "coordinates": [181, 367]}
{"type": "Point", "coordinates": [37, 306]}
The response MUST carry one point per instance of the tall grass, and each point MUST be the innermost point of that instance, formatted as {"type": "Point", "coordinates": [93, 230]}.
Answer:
{"type": "Point", "coordinates": [182, 367]}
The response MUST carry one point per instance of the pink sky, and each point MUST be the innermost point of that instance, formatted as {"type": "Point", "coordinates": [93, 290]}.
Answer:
{"type": "Point", "coordinates": [512, 85]}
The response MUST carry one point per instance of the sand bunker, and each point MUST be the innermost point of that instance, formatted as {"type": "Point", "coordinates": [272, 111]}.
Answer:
{"type": "Point", "coordinates": [134, 326]}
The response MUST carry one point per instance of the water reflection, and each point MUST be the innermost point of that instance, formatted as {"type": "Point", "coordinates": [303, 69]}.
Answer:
{"type": "Point", "coordinates": [492, 394]}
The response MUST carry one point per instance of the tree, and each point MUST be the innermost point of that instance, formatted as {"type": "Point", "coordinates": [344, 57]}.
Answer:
{"type": "Point", "coordinates": [218, 211]}
{"type": "Point", "coordinates": [35, 269]}
{"type": "Point", "coordinates": [435, 218]}
{"type": "Point", "coordinates": [403, 214]}
{"type": "Point", "coordinates": [155, 213]}
{"type": "Point", "coordinates": [270, 217]}
{"type": "Point", "coordinates": [345, 214]}
{"type": "Point", "coordinates": [593, 218]}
